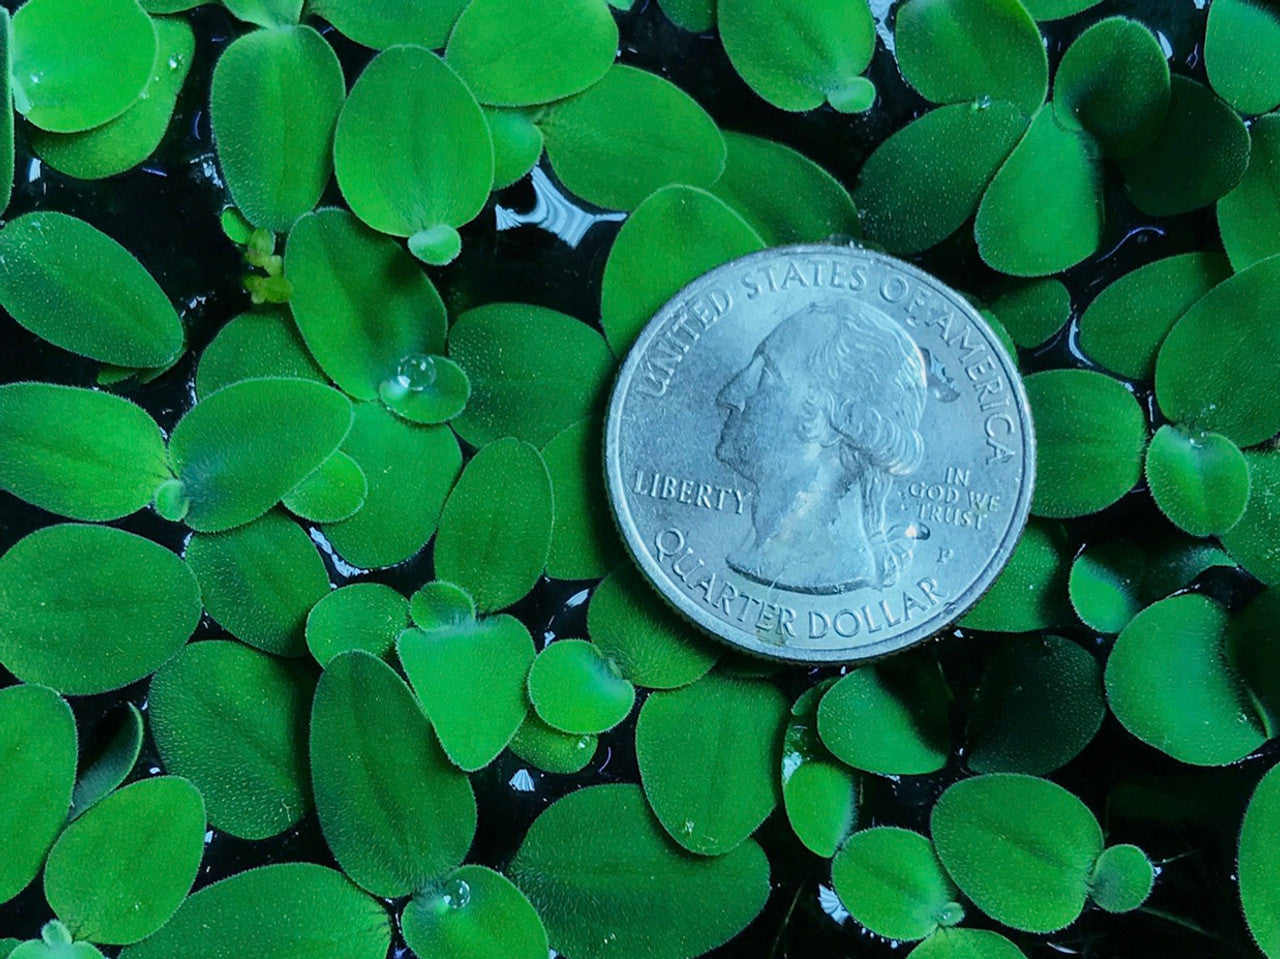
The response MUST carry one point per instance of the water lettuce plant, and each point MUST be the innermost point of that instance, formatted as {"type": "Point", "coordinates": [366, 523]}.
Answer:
{"type": "Point", "coordinates": [316, 634]}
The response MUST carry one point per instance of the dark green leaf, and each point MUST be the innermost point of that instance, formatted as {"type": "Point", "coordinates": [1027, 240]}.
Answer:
{"type": "Point", "coordinates": [584, 541]}
{"type": "Point", "coordinates": [890, 880]}
{"type": "Point", "coordinates": [966, 943]}
{"type": "Point", "coordinates": [1031, 592]}
{"type": "Point", "coordinates": [439, 603]}
{"type": "Point", "coordinates": [234, 722]}
{"type": "Point", "coordinates": [1056, 10]}
{"type": "Point", "coordinates": [517, 143]}
{"type": "Point", "coordinates": [1242, 53]}
{"type": "Point", "coordinates": [1253, 649]}
{"type": "Point", "coordinates": [368, 616]}
{"type": "Point", "coordinates": [113, 766]}
{"type": "Point", "coordinates": [385, 23]}
{"type": "Point", "coordinates": [1254, 542]}
{"type": "Point", "coordinates": [475, 913]}
{"type": "Point", "coordinates": [1200, 480]}
{"type": "Point", "coordinates": [334, 492]}
{"type": "Point", "coordinates": [1033, 312]}
{"type": "Point", "coordinates": [1259, 867]}
{"type": "Point", "coordinates": [577, 690]}
{"type": "Point", "coordinates": [1249, 216]}
{"type": "Point", "coordinates": [1122, 879]}
{"type": "Point", "coordinates": [252, 346]}
{"type": "Point", "coordinates": [698, 16]}
{"type": "Point", "coordinates": [1105, 584]}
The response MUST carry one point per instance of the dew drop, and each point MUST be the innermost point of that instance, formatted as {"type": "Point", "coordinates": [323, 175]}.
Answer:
{"type": "Point", "coordinates": [983, 103]}
{"type": "Point", "coordinates": [36, 79]}
{"type": "Point", "coordinates": [416, 372]}
{"type": "Point", "coordinates": [176, 61]}
{"type": "Point", "coordinates": [457, 894]}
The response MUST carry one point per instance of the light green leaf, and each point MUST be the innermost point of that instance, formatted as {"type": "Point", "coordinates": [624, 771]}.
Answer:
{"type": "Point", "coordinates": [574, 688]}
{"type": "Point", "coordinates": [1200, 481]}
{"type": "Point", "coordinates": [890, 880]}
{"type": "Point", "coordinates": [368, 616]}
{"type": "Point", "coordinates": [1031, 591]}
{"type": "Point", "coordinates": [475, 913]}
{"type": "Point", "coordinates": [38, 741]}
{"type": "Point", "coordinates": [51, 269]}
{"type": "Point", "coordinates": [234, 722]}
{"type": "Point", "coordinates": [819, 793]}
{"type": "Point", "coordinates": [1056, 9]}
{"type": "Point", "coordinates": [1105, 585]}
{"type": "Point", "coordinates": [426, 389]}
{"type": "Point", "coordinates": [1122, 879]}
{"type": "Point", "coordinates": [252, 346]}
{"type": "Point", "coordinates": [1259, 868]}
{"type": "Point", "coordinates": [584, 541]}
{"type": "Point", "coordinates": [551, 750]}
{"type": "Point", "coordinates": [385, 23]}
{"type": "Point", "coordinates": [438, 604]}
{"type": "Point", "coordinates": [517, 143]}
{"type": "Point", "coordinates": [707, 756]}
{"type": "Point", "coordinates": [8, 156]}
{"type": "Point", "coordinates": [122, 869]}
{"type": "Point", "coordinates": [966, 943]}
{"type": "Point", "coordinates": [607, 881]}
{"type": "Point", "coordinates": [1249, 216]}
{"type": "Point", "coordinates": [676, 235]}
{"type": "Point", "coordinates": [1242, 54]}
{"type": "Point", "coordinates": [333, 492]}
{"type": "Point", "coordinates": [85, 628]}
{"type": "Point", "coordinates": [274, 101]}
{"type": "Point", "coordinates": [1033, 312]}
{"type": "Point", "coordinates": [1254, 542]}
{"type": "Point", "coordinates": [395, 813]}
{"type": "Point", "coordinates": [266, 13]}
{"type": "Point", "coordinates": [495, 530]}
{"type": "Point", "coordinates": [629, 135]}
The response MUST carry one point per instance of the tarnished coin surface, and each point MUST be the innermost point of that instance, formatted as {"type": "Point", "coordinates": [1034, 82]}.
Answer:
{"type": "Point", "coordinates": [819, 453]}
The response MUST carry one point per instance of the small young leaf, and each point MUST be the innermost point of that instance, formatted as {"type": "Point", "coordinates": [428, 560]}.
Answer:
{"type": "Point", "coordinates": [1033, 312]}
{"type": "Point", "coordinates": [275, 912]}
{"type": "Point", "coordinates": [1249, 216]}
{"type": "Point", "coordinates": [495, 530]}
{"type": "Point", "coordinates": [253, 346]}
{"type": "Point", "coordinates": [1122, 879]}
{"type": "Point", "coordinates": [333, 492]}
{"type": "Point", "coordinates": [368, 616]}
{"type": "Point", "coordinates": [1242, 54]}
{"type": "Point", "coordinates": [517, 143]}
{"type": "Point", "coordinates": [551, 750]}
{"type": "Point", "coordinates": [1200, 481]}
{"type": "Point", "coordinates": [607, 881]}
{"type": "Point", "coordinates": [259, 581]}
{"type": "Point", "coordinates": [890, 880]}
{"type": "Point", "coordinates": [394, 811]}
{"type": "Point", "coordinates": [474, 913]}
{"type": "Point", "coordinates": [234, 722]}
{"type": "Point", "coordinates": [439, 603]}
{"type": "Point", "coordinates": [385, 23]}
{"type": "Point", "coordinates": [1031, 591]}
{"type": "Point", "coordinates": [819, 793]}
{"type": "Point", "coordinates": [84, 628]}
{"type": "Point", "coordinates": [122, 869]}
{"type": "Point", "coordinates": [707, 759]}
{"type": "Point", "coordinates": [1254, 542]}
{"type": "Point", "coordinates": [533, 372]}
{"type": "Point", "coordinates": [629, 135]}
{"type": "Point", "coordinates": [112, 767]}
{"type": "Point", "coordinates": [576, 690]}
{"type": "Point", "coordinates": [1259, 867]}
{"type": "Point", "coordinates": [274, 101]}
{"type": "Point", "coordinates": [38, 741]}
{"type": "Point", "coordinates": [1021, 848]}
{"type": "Point", "coordinates": [1105, 584]}
{"type": "Point", "coordinates": [967, 943]}
{"type": "Point", "coordinates": [515, 53]}
{"type": "Point", "coordinates": [51, 269]}
{"type": "Point", "coordinates": [584, 540]}
{"type": "Point", "coordinates": [674, 236]}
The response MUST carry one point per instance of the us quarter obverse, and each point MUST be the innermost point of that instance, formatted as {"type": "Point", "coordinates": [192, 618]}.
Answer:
{"type": "Point", "coordinates": [819, 454]}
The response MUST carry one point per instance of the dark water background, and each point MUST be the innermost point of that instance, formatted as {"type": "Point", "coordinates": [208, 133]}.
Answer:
{"type": "Point", "coordinates": [166, 213]}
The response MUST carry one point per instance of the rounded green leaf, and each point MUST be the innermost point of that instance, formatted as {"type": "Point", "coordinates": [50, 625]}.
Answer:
{"type": "Point", "coordinates": [1126, 323]}
{"type": "Point", "coordinates": [243, 448]}
{"type": "Point", "coordinates": [439, 603]}
{"type": "Point", "coordinates": [1254, 542]}
{"type": "Point", "coordinates": [252, 346]}
{"type": "Point", "coordinates": [122, 869]}
{"type": "Point", "coordinates": [1114, 82]}
{"type": "Point", "coordinates": [1031, 591]}
{"type": "Point", "coordinates": [584, 541]}
{"type": "Point", "coordinates": [651, 645]}
{"type": "Point", "coordinates": [121, 144]}
{"type": "Point", "coordinates": [362, 304]}
{"type": "Point", "coordinates": [1199, 155]}
{"type": "Point", "coordinates": [890, 880]}
{"type": "Point", "coordinates": [1259, 867]}
{"type": "Point", "coordinates": [426, 389]}
{"type": "Point", "coordinates": [1200, 481]}
{"type": "Point", "coordinates": [1037, 705]}
{"type": "Point", "coordinates": [78, 453]}
{"type": "Point", "coordinates": [85, 628]}
{"type": "Point", "coordinates": [260, 581]}
{"type": "Point", "coordinates": [958, 50]}
{"type": "Point", "coordinates": [1122, 879]}
{"type": "Point", "coordinates": [1090, 436]}
{"type": "Point", "coordinates": [1043, 211]}
{"type": "Point", "coordinates": [575, 689]}
{"type": "Point", "coordinates": [519, 52]}
{"type": "Point", "coordinates": [924, 181]}
{"type": "Point", "coordinates": [441, 171]}
{"type": "Point", "coordinates": [707, 757]}
{"type": "Point", "coordinates": [1105, 584]}
{"type": "Point", "coordinates": [517, 143]}
{"type": "Point", "coordinates": [1198, 381]}
{"type": "Point", "coordinates": [676, 235]}
{"type": "Point", "coordinates": [607, 881]}
{"type": "Point", "coordinates": [889, 718]}
{"type": "Point", "coordinates": [475, 913]}
{"type": "Point", "coordinates": [234, 722]}
{"type": "Point", "coordinates": [1169, 683]}
{"type": "Point", "coordinates": [385, 23]}
{"type": "Point", "coordinates": [368, 616]}
{"type": "Point", "coordinates": [1033, 312]}
{"type": "Point", "coordinates": [1242, 54]}
{"type": "Point", "coordinates": [495, 530]}
{"type": "Point", "coordinates": [797, 54]}
{"type": "Point", "coordinates": [820, 794]}
{"type": "Point", "coordinates": [38, 741]}
{"type": "Point", "coordinates": [1021, 848]}
{"type": "Point", "coordinates": [551, 750]}
{"type": "Point", "coordinates": [470, 679]}
{"type": "Point", "coordinates": [410, 470]}
{"type": "Point", "coordinates": [51, 269]}
{"type": "Point", "coordinates": [533, 372]}
{"type": "Point", "coordinates": [1249, 216]}
{"type": "Point", "coordinates": [276, 912]}
{"type": "Point", "coordinates": [333, 492]}
{"type": "Point", "coordinates": [395, 813]}
{"type": "Point", "coordinates": [782, 194]}
{"type": "Point", "coordinates": [266, 13]}
{"type": "Point", "coordinates": [113, 765]}
{"type": "Point", "coordinates": [966, 944]}
{"type": "Point", "coordinates": [628, 135]}
{"type": "Point", "coordinates": [274, 101]}
{"type": "Point", "coordinates": [65, 78]}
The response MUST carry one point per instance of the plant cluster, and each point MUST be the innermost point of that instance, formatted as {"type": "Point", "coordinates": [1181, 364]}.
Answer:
{"type": "Point", "coordinates": [352, 420]}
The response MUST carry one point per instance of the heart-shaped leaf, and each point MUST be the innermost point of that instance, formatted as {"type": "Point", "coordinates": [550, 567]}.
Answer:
{"type": "Point", "coordinates": [426, 389]}
{"type": "Point", "coordinates": [576, 690]}
{"type": "Point", "coordinates": [368, 616]}
{"type": "Point", "coordinates": [441, 604]}
{"type": "Point", "coordinates": [475, 913]}
{"type": "Point", "coordinates": [890, 880]}
{"type": "Point", "coordinates": [1105, 585]}
{"type": "Point", "coordinates": [551, 750]}
{"type": "Point", "coordinates": [1200, 481]}
{"type": "Point", "coordinates": [334, 491]}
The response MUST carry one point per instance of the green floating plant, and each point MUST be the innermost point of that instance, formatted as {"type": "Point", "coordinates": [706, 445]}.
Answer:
{"type": "Point", "coordinates": [254, 346]}
{"type": "Point", "coordinates": [698, 16]}
{"type": "Point", "coordinates": [1249, 216]}
{"type": "Point", "coordinates": [274, 101]}
{"type": "Point", "coordinates": [517, 142]}
{"type": "Point", "coordinates": [707, 759]}
{"type": "Point", "coordinates": [1242, 53]}
{"type": "Point", "coordinates": [105, 774]}
{"type": "Point", "coordinates": [38, 740]}
{"type": "Point", "coordinates": [1031, 591]}
{"type": "Point", "coordinates": [439, 604]}
{"type": "Point", "coordinates": [1199, 480]}
{"type": "Point", "coordinates": [1122, 879]}
{"type": "Point", "coordinates": [368, 616]}
{"type": "Point", "coordinates": [1251, 649]}
{"type": "Point", "coordinates": [334, 491]}
{"type": "Point", "coordinates": [584, 540]}
{"type": "Point", "coordinates": [1033, 312]}
{"type": "Point", "coordinates": [234, 721]}
{"type": "Point", "coordinates": [574, 688]}
{"type": "Point", "coordinates": [1259, 875]}
{"type": "Point", "coordinates": [385, 23]}
{"type": "Point", "coordinates": [819, 793]}
{"type": "Point", "coordinates": [54, 943]}
{"type": "Point", "coordinates": [951, 943]}
{"type": "Point", "coordinates": [1105, 584]}
{"type": "Point", "coordinates": [278, 910]}
{"type": "Point", "coordinates": [474, 913]}
{"type": "Point", "coordinates": [550, 749]}
{"type": "Point", "coordinates": [1254, 542]}
{"type": "Point", "coordinates": [608, 881]}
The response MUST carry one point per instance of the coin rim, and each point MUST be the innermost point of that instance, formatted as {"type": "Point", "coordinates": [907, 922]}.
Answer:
{"type": "Point", "coordinates": [633, 541]}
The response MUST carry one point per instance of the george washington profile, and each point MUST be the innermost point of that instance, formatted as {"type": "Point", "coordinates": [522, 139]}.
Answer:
{"type": "Point", "coordinates": [820, 421]}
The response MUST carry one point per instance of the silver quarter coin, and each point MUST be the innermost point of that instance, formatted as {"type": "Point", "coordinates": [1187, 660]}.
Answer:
{"type": "Point", "coordinates": [819, 454]}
